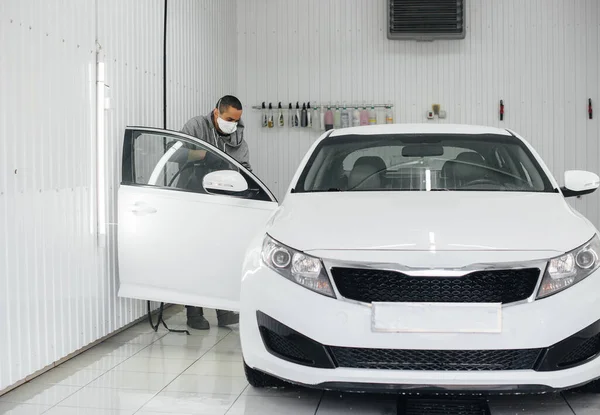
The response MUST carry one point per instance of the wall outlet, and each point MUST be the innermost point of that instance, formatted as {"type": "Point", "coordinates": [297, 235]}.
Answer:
{"type": "Point", "coordinates": [430, 115]}
{"type": "Point", "coordinates": [442, 114]}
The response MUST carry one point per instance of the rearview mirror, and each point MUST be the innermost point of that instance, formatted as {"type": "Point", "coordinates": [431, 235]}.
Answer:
{"type": "Point", "coordinates": [224, 182]}
{"type": "Point", "coordinates": [579, 183]}
{"type": "Point", "coordinates": [422, 150]}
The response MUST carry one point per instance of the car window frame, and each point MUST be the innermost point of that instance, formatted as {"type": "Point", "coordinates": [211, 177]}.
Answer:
{"type": "Point", "coordinates": [128, 162]}
{"type": "Point", "coordinates": [498, 138]}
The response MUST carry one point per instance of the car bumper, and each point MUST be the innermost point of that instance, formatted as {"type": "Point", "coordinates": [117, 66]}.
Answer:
{"type": "Point", "coordinates": [554, 326]}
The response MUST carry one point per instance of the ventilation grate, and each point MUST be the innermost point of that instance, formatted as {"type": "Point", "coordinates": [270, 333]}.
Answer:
{"type": "Point", "coordinates": [426, 20]}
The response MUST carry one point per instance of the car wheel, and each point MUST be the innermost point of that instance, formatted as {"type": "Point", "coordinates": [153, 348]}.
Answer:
{"type": "Point", "coordinates": [259, 379]}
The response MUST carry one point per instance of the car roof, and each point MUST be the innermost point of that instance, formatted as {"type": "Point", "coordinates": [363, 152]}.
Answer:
{"type": "Point", "coordinates": [419, 129]}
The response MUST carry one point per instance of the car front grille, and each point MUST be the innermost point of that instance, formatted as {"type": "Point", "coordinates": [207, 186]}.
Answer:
{"type": "Point", "coordinates": [282, 346]}
{"type": "Point", "coordinates": [491, 286]}
{"type": "Point", "coordinates": [439, 360]}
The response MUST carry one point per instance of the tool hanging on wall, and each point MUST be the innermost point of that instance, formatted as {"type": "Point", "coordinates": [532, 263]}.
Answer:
{"type": "Point", "coordinates": [501, 110]}
{"type": "Point", "coordinates": [590, 111]}
{"type": "Point", "coordinates": [271, 120]}
{"type": "Point", "coordinates": [280, 119]}
{"type": "Point", "coordinates": [264, 115]}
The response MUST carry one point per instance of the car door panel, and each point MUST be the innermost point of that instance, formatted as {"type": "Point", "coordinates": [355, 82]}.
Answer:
{"type": "Point", "coordinates": [179, 246]}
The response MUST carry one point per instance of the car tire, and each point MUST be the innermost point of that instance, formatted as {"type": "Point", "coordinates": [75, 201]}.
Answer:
{"type": "Point", "coordinates": [260, 379]}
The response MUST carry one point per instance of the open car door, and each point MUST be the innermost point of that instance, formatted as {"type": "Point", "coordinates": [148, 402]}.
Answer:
{"type": "Point", "coordinates": [178, 242]}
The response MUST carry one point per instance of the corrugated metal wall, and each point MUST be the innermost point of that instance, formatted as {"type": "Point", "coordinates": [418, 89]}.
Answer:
{"type": "Point", "coordinates": [539, 56]}
{"type": "Point", "coordinates": [58, 280]}
{"type": "Point", "coordinates": [202, 55]}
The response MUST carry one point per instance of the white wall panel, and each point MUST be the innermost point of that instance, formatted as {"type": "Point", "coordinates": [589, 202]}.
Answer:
{"type": "Point", "coordinates": [58, 279]}
{"type": "Point", "coordinates": [539, 56]}
{"type": "Point", "coordinates": [201, 57]}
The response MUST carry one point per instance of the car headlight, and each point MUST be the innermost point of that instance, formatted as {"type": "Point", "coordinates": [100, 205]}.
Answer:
{"type": "Point", "coordinates": [296, 266]}
{"type": "Point", "coordinates": [570, 268]}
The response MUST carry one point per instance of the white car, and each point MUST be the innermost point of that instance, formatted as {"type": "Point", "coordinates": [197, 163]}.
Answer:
{"type": "Point", "coordinates": [409, 257]}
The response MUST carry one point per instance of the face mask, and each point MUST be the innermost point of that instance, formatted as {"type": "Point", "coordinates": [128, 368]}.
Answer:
{"type": "Point", "coordinates": [228, 127]}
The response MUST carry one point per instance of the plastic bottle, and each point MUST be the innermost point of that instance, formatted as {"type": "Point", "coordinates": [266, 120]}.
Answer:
{"type": "Point", "coordinates": [270, 120]}
{"type": "Point", "coordinates": [265, 121]}
{"type": "Point", "coordinates": [389, 115]}
{"type": "Point", "coordinates": [364, 116]}
{"type": "Point", "coordinates": [297, 115]}
{"type": "Point", "coordinates": [322, 115]}
{"type": "Point", "coordinates": [355, 117]}
{"type": "Point", "coordinates": [316, 118]}
{"type": "Point", "coordinates": [328, 119]}
{"type": "Point", "coordinates": [337, 117]}
{"type": "Point", "coordinates": [280, 118]}
{"type": "Point", "coordinates": [309, 117]}
{"type": "Point", "coordinates": [345, 118]}
{"type": "Point", "coordinates": [290, 116]}
{"type": "Point", "coordinates": [380, 116]}
{"type": "Point", "coordinates": [303, 116]}
{"type": "Point", "coordinates": [372, 116]}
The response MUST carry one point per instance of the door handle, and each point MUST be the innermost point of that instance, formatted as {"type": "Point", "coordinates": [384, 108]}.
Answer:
{"type": "Point", "coordinates": [141, 209]}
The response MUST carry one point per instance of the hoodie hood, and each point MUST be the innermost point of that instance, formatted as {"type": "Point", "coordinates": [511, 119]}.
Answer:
{"type": "Point", "coordinates": [233, 140]}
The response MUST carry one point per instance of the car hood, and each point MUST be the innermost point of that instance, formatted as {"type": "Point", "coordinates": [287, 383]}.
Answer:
{"type": "Point", "coordinates": [426, 221]}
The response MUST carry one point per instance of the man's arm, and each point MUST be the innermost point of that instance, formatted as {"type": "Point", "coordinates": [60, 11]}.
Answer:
{"type": "Point", "coordinates": [194, 128]}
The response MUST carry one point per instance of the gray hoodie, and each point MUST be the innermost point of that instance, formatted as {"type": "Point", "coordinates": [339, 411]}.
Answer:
{"type": "Point", "coordinates": [234, 145]}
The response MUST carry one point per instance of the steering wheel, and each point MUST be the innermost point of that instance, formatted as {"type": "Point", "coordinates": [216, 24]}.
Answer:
{"type": "Point", "coordinates": [480, 181]}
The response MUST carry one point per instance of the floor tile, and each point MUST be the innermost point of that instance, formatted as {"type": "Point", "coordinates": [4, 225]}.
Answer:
{"type": "Point", "coordinates": [70, 376]}
{"type": "Point", "coordinates": [93, 362]}
{"type": "Point", "coordinates": [550, 404]}
{"type": "Point", "coordinates": [257, 405]}
{"type": "Point", "coordinates": [39, 394]}
{"type": "Point", "coordinates": [11, 408]}
{"type": "Point", "coordinates": [155, 365]}
{"type": "Point", "coordinates": [337, 403]}
{"type": "Point", "coordinates": [176, 339]}
{"type": "Point", "coordinates": [153, 382]}
{"type": "Point", "coordinates": [189, 403]}
{"type": "Point", "coordinates": [68, 410]}
{"type": "Point", "coordinates": [116, 349]}
{"type": "Point", "coordinates": [584, 404]}
{"type": "Point", "coordinates": [228, 385]}
{"type": "Point", "coordinates": [105, 398]}
{"type": "Point", "coordinates": [132, 337]}
{"type": "Point", "coordinates": [173, 352]}
{"type": "Point", "coordinates": [223, 355]}
{"type": "Point", "coordinates": [216, 368]}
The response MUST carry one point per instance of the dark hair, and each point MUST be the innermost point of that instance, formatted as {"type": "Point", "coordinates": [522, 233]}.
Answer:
{"type": "Point", "coordinates": [228, 101]}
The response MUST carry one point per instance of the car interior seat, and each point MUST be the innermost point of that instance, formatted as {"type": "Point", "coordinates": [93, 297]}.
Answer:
{"type": "Point", "coordinates": [468, 162]}
{"type": "Point", "coordinates": [366, 173]}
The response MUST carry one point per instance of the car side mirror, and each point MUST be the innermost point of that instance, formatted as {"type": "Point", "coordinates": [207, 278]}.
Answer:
{"type": "Point", "coordinates": [579, 183]}
{"type": "Point", "coordinates": [227, 182]}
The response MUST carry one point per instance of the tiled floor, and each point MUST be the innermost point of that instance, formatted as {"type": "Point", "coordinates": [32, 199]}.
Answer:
{"type": "Point", "coordinates": [142, 372]}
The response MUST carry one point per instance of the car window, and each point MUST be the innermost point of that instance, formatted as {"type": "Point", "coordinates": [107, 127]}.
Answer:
{"type": "Point", "coordinates": [403, 162]}
{"type": "Point", "coordinates": [173, 162]}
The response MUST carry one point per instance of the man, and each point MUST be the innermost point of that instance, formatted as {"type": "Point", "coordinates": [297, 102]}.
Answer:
{"type": "Point", "coordinates": [223, 129]}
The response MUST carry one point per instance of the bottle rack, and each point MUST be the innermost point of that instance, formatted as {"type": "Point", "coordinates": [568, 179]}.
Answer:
{"type": "Point", "coordinates": [325, 105]}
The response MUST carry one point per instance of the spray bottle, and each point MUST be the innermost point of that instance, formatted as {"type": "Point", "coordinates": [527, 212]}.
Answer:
{"type": "Point", "coordinates": [355, 117]}
{"type": "Point", "coordinates": [380, 116]}
{"type": "Point", "coordinates": [303, 116]}
{"type": "Point", "coordinates": [290, 116]}
{"type": "Point", "coordinates": [280, 118]}
{"type": "Point", "coordinates": [372, 115]}
{"type": "Point", "coordinates": [309, 117]}
{"type": "Point", "coordinates": [270, 121]}
{"type": "Point", "coordinates": [364, 115]}
{"type": "Point", "coordinates": [316, 118]}
{"type": "Point", "coordinates": [328, 119]}
{"type": "Point", "coordinates": [264, 115]}
{"type": "Point", "coordinates": [297, 115]}
{"type": "Point", "coordinates": [337, 116]}
{"type": "Point", "coordinates": [345, 117]}
{"type": "Point", "coordinates": [389, 115]}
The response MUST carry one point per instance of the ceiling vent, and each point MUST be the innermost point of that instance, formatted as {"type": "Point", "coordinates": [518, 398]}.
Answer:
{"type": "Point", "coordinates": [426, 20]}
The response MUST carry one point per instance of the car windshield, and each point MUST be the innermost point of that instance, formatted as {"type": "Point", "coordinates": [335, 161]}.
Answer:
{"type": "Point", "coordinates": [423, 162]}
